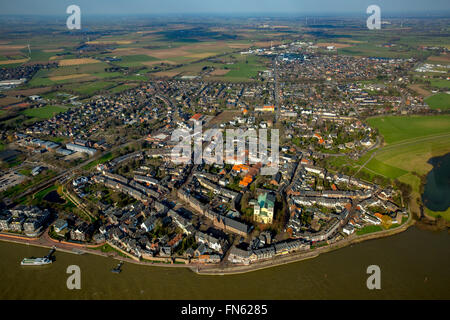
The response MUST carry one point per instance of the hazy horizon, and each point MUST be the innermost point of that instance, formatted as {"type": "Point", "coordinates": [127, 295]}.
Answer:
{"type": "Point", "coordinates": [229, 7]}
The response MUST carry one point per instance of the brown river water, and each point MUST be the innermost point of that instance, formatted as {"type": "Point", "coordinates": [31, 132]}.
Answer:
{"type": "Point", "coordinates": [415, 264]}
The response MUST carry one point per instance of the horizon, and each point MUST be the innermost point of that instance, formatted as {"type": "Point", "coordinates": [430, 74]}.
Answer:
{"type": "Point", "coordinates": [231, 7]}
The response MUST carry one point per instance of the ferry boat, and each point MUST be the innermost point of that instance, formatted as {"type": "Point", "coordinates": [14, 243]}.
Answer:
{"type": "Point", "coordinates": [35, 261]}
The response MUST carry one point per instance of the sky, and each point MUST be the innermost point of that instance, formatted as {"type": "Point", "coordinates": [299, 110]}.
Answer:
{"type": "Point", "coordinates": [266, 7]}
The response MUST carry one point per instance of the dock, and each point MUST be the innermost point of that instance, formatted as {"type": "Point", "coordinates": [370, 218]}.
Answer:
{"type": "Point", "coordinates": [51, 252]}
{"type": "Point", "coordinates": [118, 268]}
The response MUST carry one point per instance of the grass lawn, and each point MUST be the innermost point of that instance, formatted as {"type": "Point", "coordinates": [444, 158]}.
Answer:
{"type": "Point", "coordinates": [444, 214]}
{"type": "Point", "coordinates": [41, 194]}
{"type": "Point", "coordinates": [414, 156]}
{"type": "Point", "coordinates": [44, 112]}
{"type": "Point", "coordinates": [25, 172]}
{"type": "Point", "coordinates": [386, 169]}
{"type": "Point", "coordinates": [440, 83]}
{"type": "Point", "coordinates": [103, 159]}
{"type": "Point", "coordinates": [368, 229]}
{"type": "Point", "coordinates": [107, 248]}
{"type": "Point", "coordinates": [439, 101]}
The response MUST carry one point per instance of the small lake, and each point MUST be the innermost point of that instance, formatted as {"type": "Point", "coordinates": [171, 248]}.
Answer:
{"type": "Point", "coordinates": [436, 195]}
{"type": "Point", "coordinates": [53, 196]}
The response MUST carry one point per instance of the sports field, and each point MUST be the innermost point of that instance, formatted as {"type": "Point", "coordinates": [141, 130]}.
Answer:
{"type": "Point", "coordinates": [44, 112]}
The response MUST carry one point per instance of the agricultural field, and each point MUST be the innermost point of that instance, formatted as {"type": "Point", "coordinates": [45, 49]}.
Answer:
{"type": "Point", "coordinates": [233, 68]}
{"type": "Point", "coordinates": [135, 60]}
{"type": "Point", "coordinates": [376, 50]}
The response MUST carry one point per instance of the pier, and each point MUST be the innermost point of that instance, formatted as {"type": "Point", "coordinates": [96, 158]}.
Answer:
{"type": "Point", "coordinates": [50, 253]}
{"type": "Point", "coordinates": [118, 268]}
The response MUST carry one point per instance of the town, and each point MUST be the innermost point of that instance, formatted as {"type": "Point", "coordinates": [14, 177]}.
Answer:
{"type": "Point", "coordinates": [102, 173]}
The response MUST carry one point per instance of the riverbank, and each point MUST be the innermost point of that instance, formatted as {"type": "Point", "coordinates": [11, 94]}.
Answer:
{"type": "Point", "coordinates": [300, 256]}
{"type": "Point", "coordinates": [414, 265]}
{"type": "Point", "coordinates": [202, 269]}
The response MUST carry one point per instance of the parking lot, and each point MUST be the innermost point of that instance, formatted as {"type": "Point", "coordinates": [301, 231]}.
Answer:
{"type": "Point", "coordinates": [10, 179]}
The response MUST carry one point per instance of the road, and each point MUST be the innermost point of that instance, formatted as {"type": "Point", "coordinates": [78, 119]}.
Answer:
{"type": "Point", "coordinates": [277, 91]}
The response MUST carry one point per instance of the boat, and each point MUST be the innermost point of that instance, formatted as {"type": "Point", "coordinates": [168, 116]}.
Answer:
{"type": "Point", "coordinates": [35, 261]}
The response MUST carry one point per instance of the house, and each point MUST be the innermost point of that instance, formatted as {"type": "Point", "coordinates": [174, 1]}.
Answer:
{"type": "Point", "coordinates": [239, 256]}
{"type": "Point", "coordinates": [149, 224]}
{"type": "Point", "coordinates": [209, 258]}
{"type": "Point", "coordinates": [36, 170]}
{"type": "Point", "coordinates": [5, 219]}
{"type": "Point", "coordinates": [175, 241]}
{"type": "Point", "coordinates": [99, 238]}
{"type": "Point", "coordinates": [189, 252]}
{"type": "Point", "coordinates": [212, 242]}
{"type": "Point", "coordinates": [201, 249]}
{"type": "Point", "coordinates": [60, 225]}
{"type": "Point", "coordinates": [165, 251]}
{"type": "Point", "coordinates": [348, 229]}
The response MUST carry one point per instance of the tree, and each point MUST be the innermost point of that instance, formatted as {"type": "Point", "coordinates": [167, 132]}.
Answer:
{"type": "Point", "coordinates": [386, 221]}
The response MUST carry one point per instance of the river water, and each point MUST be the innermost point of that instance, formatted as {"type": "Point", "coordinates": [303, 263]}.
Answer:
{"type": "Point", "coordinates": [414, 264]}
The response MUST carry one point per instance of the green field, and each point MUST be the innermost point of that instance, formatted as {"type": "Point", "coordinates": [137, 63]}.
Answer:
{"type": "Point", "coordinates": [121, 88]}
{"type": "Point", "coordinates": [387, 170]}
{"type": "Point", "coordinates": [440, 83]}
{"type": "Point", "coordinates": [412, 141]}
{"type": "Point", "coordinates": [373, 50]}
{"type": "Point", "coordinates": [91, 87]}
{"type": "Point", "coordinates": [439, 101]}
{"type": "Point", "coordinates": [134, 60]}
{"type": "Point", "coordinates": [105, 158]}
{"type": "Point", "coordinates": [396, 129]}
{"type": "Point", "coordinates": [244, 69]}
{"type": "Point", "coordinates": [46, 112]}
{"type": "Point", "coordinates": [41, 194]}
{"type": "Point", "coordinates": [368, 229]}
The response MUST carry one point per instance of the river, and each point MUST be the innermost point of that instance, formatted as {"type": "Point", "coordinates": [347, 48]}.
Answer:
{"type": "Point", "coordinates": [414, 264]}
